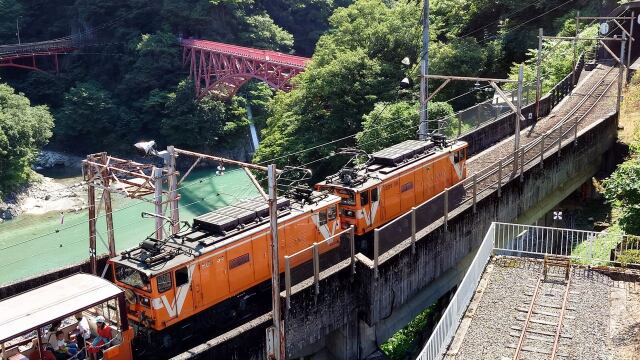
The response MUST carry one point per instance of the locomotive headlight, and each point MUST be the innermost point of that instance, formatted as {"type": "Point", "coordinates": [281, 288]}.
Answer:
{"type": "Point", "coordinates": [144, 301]}
{"type": "Point", "coordinates": [348, 213]}
{"type": "Point", "coordinates": [130, 296]}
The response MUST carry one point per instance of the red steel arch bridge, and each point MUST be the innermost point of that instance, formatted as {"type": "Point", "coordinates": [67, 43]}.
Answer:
{"type": "Point", "coordinates": [221, 69]}
{"type": "Point", "coordinates": [28, 55]}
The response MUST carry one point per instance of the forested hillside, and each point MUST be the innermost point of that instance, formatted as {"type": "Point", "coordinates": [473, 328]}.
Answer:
{"type": "Point", "coordinates": [128, 82]}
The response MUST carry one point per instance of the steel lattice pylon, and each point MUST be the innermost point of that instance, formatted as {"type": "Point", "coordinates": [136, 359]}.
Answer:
{"type": "Point", "coordinates": [221, 69]}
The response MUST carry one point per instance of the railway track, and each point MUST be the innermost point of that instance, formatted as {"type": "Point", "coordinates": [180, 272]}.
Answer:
{"type": "Point", "coordinates": [542, 328]}
{"type": "Point", "coordinates": [507, 167]}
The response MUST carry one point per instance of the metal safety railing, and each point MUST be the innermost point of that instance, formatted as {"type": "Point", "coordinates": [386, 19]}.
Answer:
{"type": "Point", "coordinates": [448, 324]}
{"type": "Point", "coordinates": [492, 178]}
{"type": "Point", "coordinates": [583, 247]}
{"type": "Point", "coordinates": [313, 255]}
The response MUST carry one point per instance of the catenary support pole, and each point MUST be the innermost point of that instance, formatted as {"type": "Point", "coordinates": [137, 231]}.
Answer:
{"type": "Point", "coordinates": [518, 115]}
{"type": "Point", "coordinates": [91, 194]}
{"type": "Point", "coordinates": [157, 200]}
{"type": "Point", "coordinates": [631, 41]}
{"type": "Point", "coordinates": [620, 73]}
{"type": "Point", "coordinates": [278, 338]}
{"type": "Point", "coordinates": [424, 71]}
{"type": "Point", "coordinates": [170, 163]}
{"type": "Point", "coordinates": [108, 210]}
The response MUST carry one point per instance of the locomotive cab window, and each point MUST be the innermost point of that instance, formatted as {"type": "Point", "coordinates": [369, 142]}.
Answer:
{"type": "Point", "coordinates": [350, 200]}
{"type": "Point", "coordinates": [332, 213]}
{"type": "Point", "coordinates": [132, 277]}
{"type": "Point", "coordinates": [164, 282]}
{"type": "Point", "coordinates": [364, 198]}
{"type": "Point", "coordinates": [374, 194]}
{"type": "Point", "coordinates": [457, 156]}
{"type": "Point", "coordinates": [182, 276]}
{"type": "Point", "coordinates": [322, 217]}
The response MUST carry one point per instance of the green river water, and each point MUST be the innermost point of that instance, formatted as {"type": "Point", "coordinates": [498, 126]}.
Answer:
{"type": "Point", "coordinates": [30, 245]}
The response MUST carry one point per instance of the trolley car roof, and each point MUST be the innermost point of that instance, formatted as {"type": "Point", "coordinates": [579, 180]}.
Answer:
{"type": "Point", "coordinates": [41, 306]}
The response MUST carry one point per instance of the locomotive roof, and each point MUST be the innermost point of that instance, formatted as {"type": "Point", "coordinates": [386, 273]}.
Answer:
{"type": "Point", "coordinates": [208, 233]}
{"type": "Point", "coordinates": [391, 159]}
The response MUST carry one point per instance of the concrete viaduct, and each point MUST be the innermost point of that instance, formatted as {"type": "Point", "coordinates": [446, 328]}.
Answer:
{"type": "Point", "coordinates": [353, 313]}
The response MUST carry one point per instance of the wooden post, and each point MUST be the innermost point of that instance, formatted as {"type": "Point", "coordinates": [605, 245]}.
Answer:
{"type": "Point", "coordinates": [542, 151]}
{"type": "Point", "coordinates": [499, 177]}
{"type": "Point", "coordinates": [91, 194]}
{"type": "Point", "coordinates": [287, 279]}
{"type": "Point", "coordinates": [521, 163]}
{"type": "Point", "coordinates": [376, 250]}
{"type": "Point", "coordinates": [559, 142]}
{"type": "Point", "coordinates": [107, 208]}
{"type": "Point", "coordinates": [316, 268]}
{"type": "Point", "coordinates": [413, 230]}
{"type": "Point", "coordinates": [475, 191]}
{"type": "Point", "coordinates": [352, 239]}
{"type": "Point", "coordinates": [446, 207]}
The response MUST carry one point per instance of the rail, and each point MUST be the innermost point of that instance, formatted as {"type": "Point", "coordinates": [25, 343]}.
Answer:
{"type": "Point", "coordinates": [582, 247]}
{"type": "Point", "coordinates": [491, 178]}
{"type": "Point", "coordinates": [448, 324]}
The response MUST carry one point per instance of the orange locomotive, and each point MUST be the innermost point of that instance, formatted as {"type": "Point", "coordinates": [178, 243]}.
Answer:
{"type": "Point", "coordinates": [226, 252]}
{"type": "Point", "coordinates": [394, 180]}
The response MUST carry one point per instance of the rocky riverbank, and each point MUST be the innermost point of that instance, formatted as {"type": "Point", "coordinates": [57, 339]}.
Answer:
{"type": "Point", "coordinates": [44, 194]}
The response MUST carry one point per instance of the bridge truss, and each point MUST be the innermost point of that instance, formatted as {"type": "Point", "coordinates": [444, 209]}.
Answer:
{"type": "Point", "coordinates": [25, 56]}
{"type": "Point", "coordinates": [221, 69]}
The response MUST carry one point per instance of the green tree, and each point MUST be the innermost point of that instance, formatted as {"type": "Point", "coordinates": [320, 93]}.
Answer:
{"type": "Point", "coordinates": [24, 129]}
{"type": "Point", "coordinates": [202, 124]}
{"type": "Point", "coordinates": [88, 118]}
{"type": "Point", "coordinates": [622, 189]}
{"type": "Point", "coordinates": [390, 124]}
{"type": "Point", "coordinates": [355, 65]}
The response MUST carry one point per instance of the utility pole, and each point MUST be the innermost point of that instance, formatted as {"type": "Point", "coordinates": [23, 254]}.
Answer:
{"type": "Point", "coordinates": [621, 72]}
{"type": "Point", "coordinates": [18, 29]}
{"type": "Point", "coordinates": [424, 71]}
{"type": "Point", "coordinates": [277, 334]}
{"type": "Point", "coordinates": [157, 200]}
{"type": "Point", "coordinates": [538, 64]}
{"type": "Point", "coordinates": [633, 15]}
{"type": "Point", "coordinates": [170, 163]}
{"type": "Point", "coordinates": [518, 116]}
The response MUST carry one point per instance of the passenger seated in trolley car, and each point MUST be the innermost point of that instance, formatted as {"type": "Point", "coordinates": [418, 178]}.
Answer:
{"type": "Point", "coordinates": [393, 180]}
{"type": "Point", "coordinates": [210, 271]}
{"type": "Point", "coordinates": [25, 318]}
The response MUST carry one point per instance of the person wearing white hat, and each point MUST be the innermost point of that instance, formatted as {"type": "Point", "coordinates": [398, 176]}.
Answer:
{"type": "Point", "coordinates": [103, 338]}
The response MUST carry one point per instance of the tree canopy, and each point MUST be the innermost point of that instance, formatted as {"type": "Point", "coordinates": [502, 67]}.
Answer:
{"type": "Point", "coordinates": [24, 129]}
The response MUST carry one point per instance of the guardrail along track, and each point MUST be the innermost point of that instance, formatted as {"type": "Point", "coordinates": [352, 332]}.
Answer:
{"type": "Point", "coordinates": [507, 167]}
{"type": "Point", "coordinates": [543, 323]}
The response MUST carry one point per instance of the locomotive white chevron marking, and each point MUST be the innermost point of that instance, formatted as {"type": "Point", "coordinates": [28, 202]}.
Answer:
{"type": "Point", "coordinates": [374, 211]}
{"type": "Point", "coordinates": [182, 291]}
{"type": "Point", "coordinates": [457, 167]}
{"type": "Point", "coordinates": [324, 229]}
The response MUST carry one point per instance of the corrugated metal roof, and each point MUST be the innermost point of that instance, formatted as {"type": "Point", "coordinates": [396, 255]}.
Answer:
{"type": "Point", "coordinates": [32, 309]}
